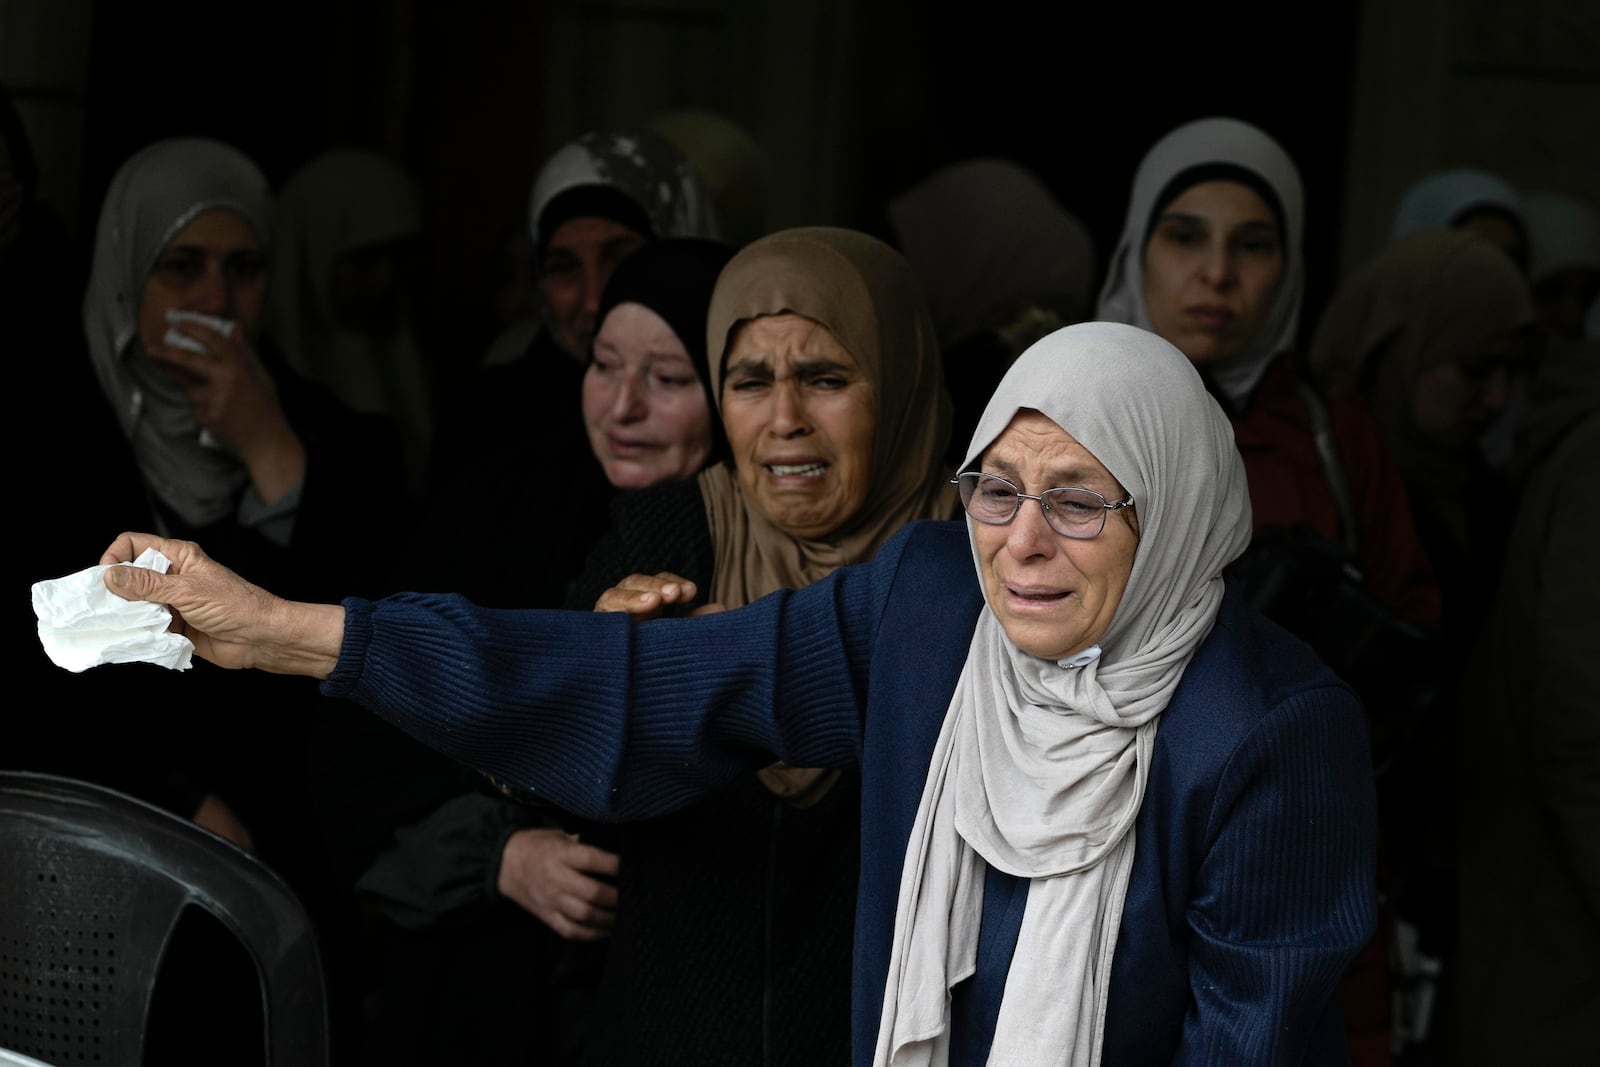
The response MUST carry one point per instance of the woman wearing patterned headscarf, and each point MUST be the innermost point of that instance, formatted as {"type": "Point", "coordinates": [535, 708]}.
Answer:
{"type": "Point", "coordinates": [598, 198]}
{"type": "Point", "coordinates": [602, 196]}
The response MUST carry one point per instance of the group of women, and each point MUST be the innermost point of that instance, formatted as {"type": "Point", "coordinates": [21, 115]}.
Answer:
{"type": "Point", "coordinates": [874, 728]}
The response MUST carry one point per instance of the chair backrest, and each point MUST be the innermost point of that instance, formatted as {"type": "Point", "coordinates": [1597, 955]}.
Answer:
{"type": "Point", "coordinates": [92, 884]}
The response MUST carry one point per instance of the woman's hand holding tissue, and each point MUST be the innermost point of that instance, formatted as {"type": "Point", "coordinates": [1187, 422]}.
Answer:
{"type": "Point", "coordinates": [231, 622]}
{"type": "Point", "coordinates": [236, 401]}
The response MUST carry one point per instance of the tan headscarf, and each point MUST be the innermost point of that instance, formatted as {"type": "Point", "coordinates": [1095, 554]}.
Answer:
{"type": "Point", "coordinates": [1435, 296]}
{"type": "Point", "coordinates": [1040, 766]}
{"type": "Point", "coordinates": [864, 292]}
{"type": "Point", "coordinates": [988, 239]}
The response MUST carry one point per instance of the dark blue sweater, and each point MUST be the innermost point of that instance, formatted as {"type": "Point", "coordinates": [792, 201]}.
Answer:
{"type": "Point", "coordinates": [1253, 884]}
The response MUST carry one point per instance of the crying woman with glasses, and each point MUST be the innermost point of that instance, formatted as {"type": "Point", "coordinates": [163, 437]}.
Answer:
{"type": "Point", "coordinates": [1110, 813]}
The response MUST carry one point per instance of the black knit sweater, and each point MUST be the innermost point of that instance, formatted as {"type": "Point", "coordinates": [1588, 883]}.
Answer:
{"type": "Point", "coordinates": [735, 917]}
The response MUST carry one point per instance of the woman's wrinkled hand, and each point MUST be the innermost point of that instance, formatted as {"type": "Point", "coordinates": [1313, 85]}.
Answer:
{"type": "Point", "coordinates": [648, 596]}
{"type": "Point", "coordinates": [233, 397]}
{"type": "Point", "coordinates": [561, 881]}
{"type": "Point", "coordinates": [229, 391]}
{"type": "Point", "coordinates": [230, 621]}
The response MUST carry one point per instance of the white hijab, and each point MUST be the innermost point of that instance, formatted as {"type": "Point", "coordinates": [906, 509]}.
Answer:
{"type": "Point", "coordinates": [1040, 767]}
{"type": "Point", "coordinates": [1197, 144]}
{"type": "Point", "coordinates": [1440, 198]}
{"type": "Point", "coordinates": [153, 196]}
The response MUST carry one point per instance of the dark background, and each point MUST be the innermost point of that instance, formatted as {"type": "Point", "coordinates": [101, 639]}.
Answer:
{"type": "Point", "coordinates": [456, 93]}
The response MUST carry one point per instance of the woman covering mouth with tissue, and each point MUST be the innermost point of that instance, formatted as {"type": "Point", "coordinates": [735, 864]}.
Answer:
{"type": "Point", "coordinates": [230, 445]}
{"type": "Point", "coordinates": [173, 321]}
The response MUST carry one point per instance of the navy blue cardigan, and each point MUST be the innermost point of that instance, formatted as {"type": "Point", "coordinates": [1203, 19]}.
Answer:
{"type": "Point", "coordinates": [1253, 886]}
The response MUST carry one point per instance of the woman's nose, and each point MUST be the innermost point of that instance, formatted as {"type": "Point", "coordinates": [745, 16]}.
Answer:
{"type": "Point", "coordinates": [1217, 266]}
{"type": "Point", "coordinates": [1030, 533]}
{"type": "Point", "coordinates": [629, 403]}
{"type": "Point", "coordinates": [788, 409]}
{"type": "Point", "coordinates": [214, 293]}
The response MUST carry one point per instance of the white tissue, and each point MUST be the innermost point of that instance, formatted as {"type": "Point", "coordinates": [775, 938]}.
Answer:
{"type": "Point", "coordinates": [83, 624]}
{"type": "Point", "coordinates": [179, 339]}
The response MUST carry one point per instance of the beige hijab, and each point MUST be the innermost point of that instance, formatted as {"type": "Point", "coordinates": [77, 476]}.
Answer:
{"type": "Point", "coordinates": [1040, 767]}
{"type": "Point", "coordinates": [863, 291]}
{"type": "Point", "coordinates": [988, 240]}
{"type": "Point", "coordinates": [1429, 298]}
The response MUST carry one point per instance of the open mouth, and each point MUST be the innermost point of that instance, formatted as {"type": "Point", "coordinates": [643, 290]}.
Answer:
{"type": "Point", "coordinates": [1038, 597]}
{"type": "Point", "coordinates": [814, 469]}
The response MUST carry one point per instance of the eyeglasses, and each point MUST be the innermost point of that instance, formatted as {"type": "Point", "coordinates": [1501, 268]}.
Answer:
{"type": "Point", "coordinates": [1071, 512]}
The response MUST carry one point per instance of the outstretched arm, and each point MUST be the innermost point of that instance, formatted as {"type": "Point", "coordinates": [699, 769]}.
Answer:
{"type": "Point", "coordinates": [232, 623]}
{"type": "Point", "coordinates": [603, 717]}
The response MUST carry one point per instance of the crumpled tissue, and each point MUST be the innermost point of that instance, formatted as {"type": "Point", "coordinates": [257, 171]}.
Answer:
{"type": "Point", "coordinates": [83, 624]}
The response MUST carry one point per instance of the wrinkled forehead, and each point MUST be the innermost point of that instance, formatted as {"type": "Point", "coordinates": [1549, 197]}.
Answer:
{"type": "Point", "coordinates": [797, 275]}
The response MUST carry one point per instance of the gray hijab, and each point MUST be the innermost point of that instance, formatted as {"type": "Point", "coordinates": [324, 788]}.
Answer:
{"type": "Point", "coordinates": [1040, 767]}
{"type": "Point", "coordinates": [152, 197]}
{"type": "Point", "coordinates": [1197, 144]}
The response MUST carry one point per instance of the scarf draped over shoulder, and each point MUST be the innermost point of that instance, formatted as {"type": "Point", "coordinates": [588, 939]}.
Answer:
{"type": "Point", "coordinates": [864, 292]}
{"type": "Point", "coordinates": [1040, 767]}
